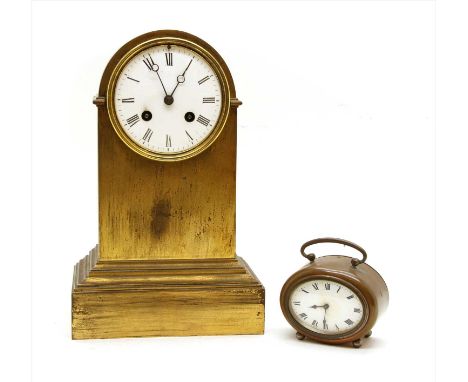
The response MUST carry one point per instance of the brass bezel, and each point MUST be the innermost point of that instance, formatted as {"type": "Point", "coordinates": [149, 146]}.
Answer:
{"type": "Point", "coordinates": [320, 336]}
{"type": "Point", "coordinates": [225, 95]}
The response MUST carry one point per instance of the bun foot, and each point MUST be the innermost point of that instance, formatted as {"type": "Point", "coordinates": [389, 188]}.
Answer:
{"type": "Point", "coordinates": [357, 343]}
{"type": "Point", "coordinates": [368, 334]}
{"type": "Point", "coordinates": [300, 336]}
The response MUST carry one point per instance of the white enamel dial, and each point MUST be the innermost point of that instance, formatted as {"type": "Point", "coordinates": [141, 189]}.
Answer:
{"type": "Point", "coordinates": [326, 307]}
{"type": "Point", "coordinates": [167, 99]}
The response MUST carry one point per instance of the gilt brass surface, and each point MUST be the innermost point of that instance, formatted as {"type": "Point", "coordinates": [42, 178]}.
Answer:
{"type": "Point", "coordinates": [113, 299]}
{"type": "Point", "coordinates": [151, 209]}
{"type": "Point", "coordinates": [166, 263]}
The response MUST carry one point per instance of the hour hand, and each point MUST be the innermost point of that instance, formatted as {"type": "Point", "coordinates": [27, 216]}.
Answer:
{"type": "Point", "coordinates": [326, 306]}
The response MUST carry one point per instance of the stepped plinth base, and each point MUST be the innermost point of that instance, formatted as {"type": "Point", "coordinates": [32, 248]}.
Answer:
{"type": "Point", "coordinates": [113, 299]}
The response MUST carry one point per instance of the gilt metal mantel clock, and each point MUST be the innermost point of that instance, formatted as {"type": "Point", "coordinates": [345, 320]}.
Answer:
{"type": "Point", "coordinates": [166, 261]}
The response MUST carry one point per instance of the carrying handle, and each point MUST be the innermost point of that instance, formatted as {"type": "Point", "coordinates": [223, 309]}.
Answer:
{"type": "Point", "coordinates": [311, 257]}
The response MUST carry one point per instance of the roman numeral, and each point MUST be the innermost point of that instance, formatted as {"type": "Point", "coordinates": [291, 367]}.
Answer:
{"type": "Point", "coordinates": [169, 59]}
{"type": "Point", "coordinates": [130, 78]}
{"type": "Point", "coordinates": [149, 62]}
{"type": "Point", "coordinates": [357, 310]}
{"type": "Point", "coordinates": [132, 120]}
{"type": "Point", "coordinates": [316, 287]}
{"type": "Point", "coordinates": [296, 302]}
{"type": "Point", "coordinates": [168, 141]}
{"type": "Point", "coordinates": [148, 135]}
{"type": "Point", "coordinates": [327, 286]}
{"type": "Point", "coordinates": [303, 315]}
{"type": "Point", "coordinates": [338, 289]}
{"type": "Point", "coordinates": [337, 327]}
{"type": "Point", "coordinates": [350, 297]}
{"type": "Point", "coordinates": [203, 120]}
{"type": "Point", "coordinates": [128, 100]}
{"type": "Point", "coordinates": [208, 99]}
{"type": "Point", "coordinates": [302, 289]}
{"type": "Point", "coordinates": [315, 323]}
{"type": "Point", "coordinates": [186, 132]}
{"type": "Point", "coordinates": [325, 326]}
{"type": "Point", "coordinates": [349, 322]}
{"type": "Point", "coordinates": [204, 79]}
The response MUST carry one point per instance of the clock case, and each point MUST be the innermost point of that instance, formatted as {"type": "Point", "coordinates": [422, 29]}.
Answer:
{"type": "Point", "coordinates": [358, 276]}
{"type": "Point", "coordinates": [166, 263]}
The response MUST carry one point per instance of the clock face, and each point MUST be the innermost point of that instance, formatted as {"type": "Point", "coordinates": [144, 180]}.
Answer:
{"type": "Point", "coordinates": [326, 307]}
{"type": "Point", "coordinates": [167, 99]}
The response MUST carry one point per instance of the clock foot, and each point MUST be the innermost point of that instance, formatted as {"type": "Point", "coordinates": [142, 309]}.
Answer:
{"type": "Point", "coordinates": [368, 334]}
{"type": "Point", "coordinates": [357, 343]}
{"type": "Point", "coordinates": [300, 336]}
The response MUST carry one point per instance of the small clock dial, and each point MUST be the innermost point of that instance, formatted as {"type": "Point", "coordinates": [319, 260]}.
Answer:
{"type": "Point", "coordinates": [326, 307]}
{"type": "Point", "coordinates": [167, 99]}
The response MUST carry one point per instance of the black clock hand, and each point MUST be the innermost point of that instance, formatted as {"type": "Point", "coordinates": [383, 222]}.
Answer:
{"type": "Point", "coordinates": [325, 307]}
{"type": "Point", "coordinates": [155, 68]}
{"type": "Point", "coordinates": [181, 78]}
{"type": "Point", "coordinates": [160, 80]}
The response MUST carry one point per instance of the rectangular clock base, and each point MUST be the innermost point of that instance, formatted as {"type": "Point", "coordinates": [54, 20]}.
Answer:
{"type": "Point", "coordinates": [112, 299]}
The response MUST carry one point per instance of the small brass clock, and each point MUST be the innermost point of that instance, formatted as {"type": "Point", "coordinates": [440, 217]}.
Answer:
{"type": "Point", "coordinates": [334, 299]}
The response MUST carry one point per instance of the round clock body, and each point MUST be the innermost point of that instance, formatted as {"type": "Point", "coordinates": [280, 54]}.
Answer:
{"type": "Point", "coordinates": [333, 301]}
{"type": "Point", "coordinates": [168, 97]}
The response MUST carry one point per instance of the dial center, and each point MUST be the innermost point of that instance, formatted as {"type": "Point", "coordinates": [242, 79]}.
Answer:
{"type": "Point", "coordinates": [168, 100]}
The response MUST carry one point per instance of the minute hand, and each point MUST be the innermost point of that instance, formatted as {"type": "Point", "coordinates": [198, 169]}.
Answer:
{"type": "Point", "coordinates": [181, 78]}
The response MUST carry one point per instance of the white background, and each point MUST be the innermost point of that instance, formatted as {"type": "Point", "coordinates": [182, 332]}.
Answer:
{"type": "Point", "coordinates": [337, 136]}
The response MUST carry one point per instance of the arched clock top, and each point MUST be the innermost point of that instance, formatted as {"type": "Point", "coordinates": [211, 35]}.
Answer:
{"type": "Point", "coordinates": [161, 37]}
{"type": "Point", "coordinates": [168, 95]}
